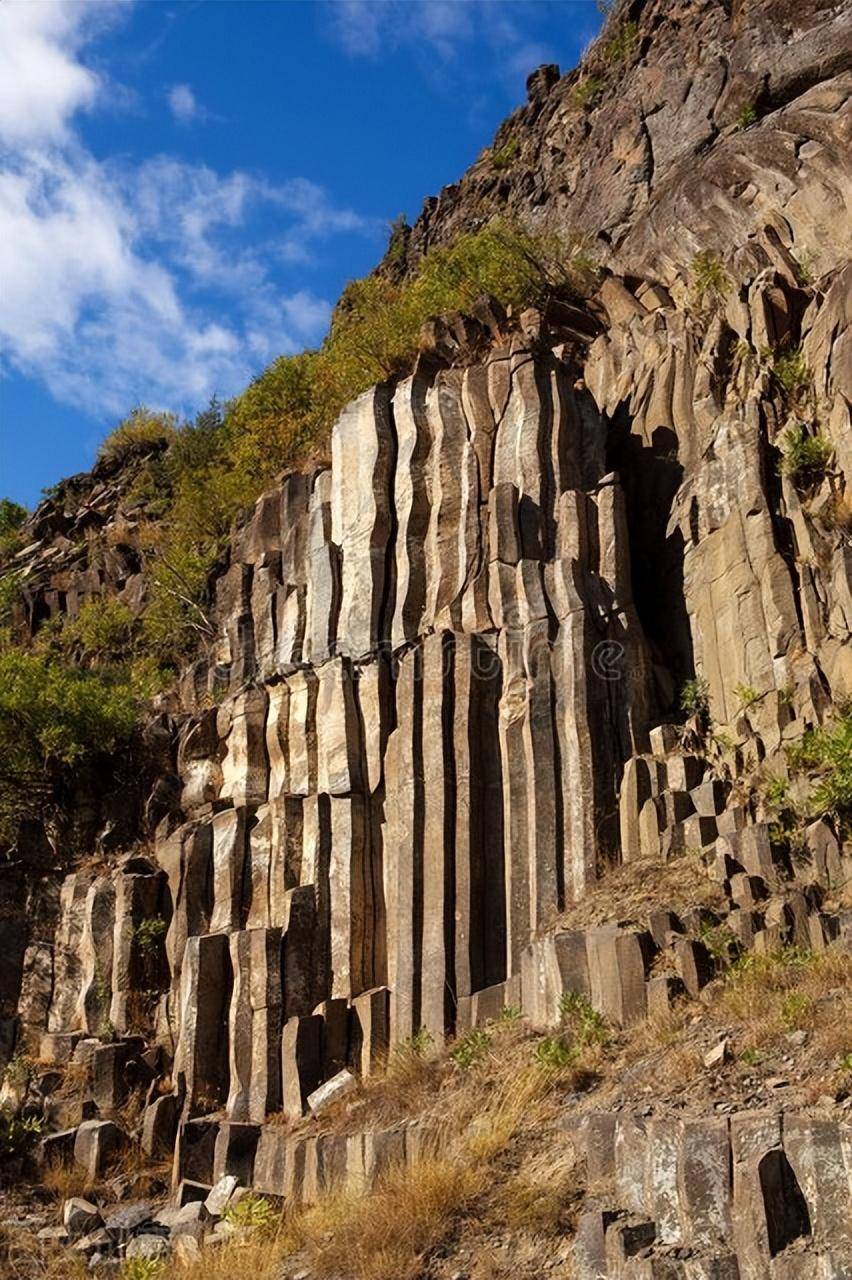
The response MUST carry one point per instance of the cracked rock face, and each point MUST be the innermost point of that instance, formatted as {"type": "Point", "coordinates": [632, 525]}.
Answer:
{"type": "Point", "coordinates": [655, 164]}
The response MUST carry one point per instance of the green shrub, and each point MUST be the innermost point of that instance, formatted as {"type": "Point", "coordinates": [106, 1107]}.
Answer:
{"type": "Point", "coordinates": [150, 932]}
{"type": "Point", "coordinates": [19, 1071]}
{"type": "Point", "coordinates": [695, 698]}
{"type": "Point", "coordinates": [53, 717]}
{"type": "Point", "coordinates": [586, 90]}
{"type": "Point", "coordinates": [10, 595]}
{"type": "Point", "coordinates": [397, 240]}
{"type": "Point", "coordinates": [825, 754]}
{"type": "Point", "coordinates": [710, 282]}
{"type": "Point", "coordinates": [509, 1016]}
{"type": "Point", "coordinates": [504, 157]}
{"type": "Point", "coordinates": [141, 427]}
{"type": "Point", "coordinates": [471, 1048]}
{"type": "Point", "coordinates": [776, 792]}
{"type": "Point", "coordinates": [746, 116]}
{"type": "Point", "coordinates": [555, 1052]}
{"type": "Point", "coordinates": [746, 696]}
{"type": "Point", "coordinates": [621, 43]}
{"type": "Point", "coordinates": [792, 372]}
{"type": "Point", "coordinates": [251, 1212]}
{"type": "Point", "coordinates": [17, 1135]}
{"type": "Point", "coordinates": [12, 516]}
{"type": "Point", "coordinates": [794, 1008]}
{"type": "Point", "coordinates": [805, 458]}
{"type": "Point", "coordinates": [584, 1023]}
{"type": "Point", "coordinates": [103, 631]}
{"type": "Point", "coordinates": [142, 1269]}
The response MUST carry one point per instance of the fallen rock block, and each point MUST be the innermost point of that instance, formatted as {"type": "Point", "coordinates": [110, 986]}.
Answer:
{"type": "Point", "coordinates": [125, 1221]}
{"type": "Point", "coordinates": [148, 1247]}
{"type": "Point", "coordinates": [218, 1199]}
{"type": "Point", "coordinates": [80, 1216]}
{"type": "Point", "coordinates": [333, 1090]}
{"type": "Point", "coordinates": [718, 1055]}
{"type": "Point", "coordinates": [192, 1219]}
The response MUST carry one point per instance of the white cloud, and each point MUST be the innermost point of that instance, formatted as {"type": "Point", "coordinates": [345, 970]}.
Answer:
{"type": "Point", "coordinates": [184, 105]}
{"type": "Point", "coordinates": [135, 283]}
{"type": "Point", "coordinates": [41, 82]}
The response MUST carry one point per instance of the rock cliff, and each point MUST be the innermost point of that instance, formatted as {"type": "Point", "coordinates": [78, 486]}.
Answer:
{"type": "Point", "coordinates": [439, 705]}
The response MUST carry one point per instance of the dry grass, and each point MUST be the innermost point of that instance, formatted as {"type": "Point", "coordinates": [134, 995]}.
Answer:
{"type": "Point", "coordinates": [23, 1257]}
{"type": "Point", "coordinates": [468, 1177]}
{"type": "Point", "coordinates": [496, 1190]}
{"type": "Point", "coordinates": [630, 892]}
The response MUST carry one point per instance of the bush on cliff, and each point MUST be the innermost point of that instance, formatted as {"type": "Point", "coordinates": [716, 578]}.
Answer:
{"type": "Point", "coordinates": [53, 717]}
{"type": "Point", "coordinates": [141, 427]}
{"type": "Point", "coordinates": [215, 467]}
{"type": "Point", "coordinates": [12, 516]}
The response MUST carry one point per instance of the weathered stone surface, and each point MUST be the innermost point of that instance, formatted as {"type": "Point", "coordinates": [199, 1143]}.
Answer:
{"type": "Point", "coordinates": [370, 1030]}
{"type": "Point", "coordinates": [97, 1143]}
{"type": "Point", "coordinates": [201, 1057]}
{"type": "Point", "coordinates": [301, 1061]}
{"type": "Point", "coordinates": [330, 1091]}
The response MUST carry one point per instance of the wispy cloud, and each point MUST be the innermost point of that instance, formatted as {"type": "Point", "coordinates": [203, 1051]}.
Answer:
{"type": "Point", "coordinates": [184, 105]}
{"type": "Point", "coordinates": [441, 29]}
{"type": "Point", "coordinates": [153, 282]}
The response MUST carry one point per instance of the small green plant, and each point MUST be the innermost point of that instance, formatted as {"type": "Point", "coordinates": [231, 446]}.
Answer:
{"type": "Point", "coordinates": [150, 932]}
{"type": "Point", "coordinates": [826, 755]}
{"type": "Point", "coordinates": [17, 1135]}
{"type": "Point", "coordinates": [504, 158]}
{"type": "Point", "coordinates": [620, 44]}
{"type": "Point", "coordinates": [751, 1057]}
{"type": "Point", "coordinates": [792, 372]}
{"type": "Point", "coordinates": [719, 941]}
{"type": "Point", "coordinates": [710, 282]}
{"type": "Point", "coordinates": [695, 698]}
{"type": "Point", "coordinates": [806, 266]}
{"type": "Point", "coordinates": [251, 1212]}
{"type": "Point", "coordinates": [805, 457]}
{"type": "Point", "coordinates": [583, 1022]}
{"type": "Point", "coordinates": [586, 90]}
{"type": "Point", "coordinates": [776, 792]}
{"type": "Point", "coordinates": [509, 1016]}
{"type": "Point", "coordinates": [772, 970]}
{"type": "Point", "coordinates": [746, 695]}
{"type": "Point", "coordinates": [471, 1048]}
{"type": "Point", "coordinates": [794, 1008]}
{"type": "Point", "coordinates": [554, 1052]}
{"type": "Point", "coordinates": [142, 1269]}
{"type": "Point", "coordinates": [844, 1063]}
{"type": "Point", "coordinates": [747, 116]}
{"type": "Point", "coordinates": [19, 1071]}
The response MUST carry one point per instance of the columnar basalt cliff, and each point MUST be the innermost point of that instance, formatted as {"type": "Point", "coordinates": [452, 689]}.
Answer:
{"type": "Point", "coordinates": [438, 707]}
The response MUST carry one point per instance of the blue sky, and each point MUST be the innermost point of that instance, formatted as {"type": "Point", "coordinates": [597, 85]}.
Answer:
{"type": "Point", "coordinates": [185, 188]}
